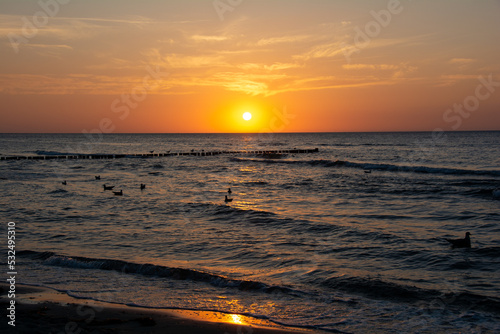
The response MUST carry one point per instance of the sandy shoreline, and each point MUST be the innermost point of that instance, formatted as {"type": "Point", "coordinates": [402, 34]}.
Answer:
{"type": "Point", "coordinates": [42, 310]}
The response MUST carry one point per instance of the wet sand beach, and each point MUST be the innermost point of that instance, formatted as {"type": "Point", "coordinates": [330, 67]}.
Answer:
{"type": "Point", "coordinates": [42, 310]}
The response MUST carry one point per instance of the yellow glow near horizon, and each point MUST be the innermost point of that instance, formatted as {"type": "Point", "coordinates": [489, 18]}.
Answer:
{"type": "Point", "coordinates": [241, 117]}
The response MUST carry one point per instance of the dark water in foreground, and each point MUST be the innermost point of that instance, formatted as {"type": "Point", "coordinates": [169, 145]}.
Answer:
{"type": "Point", "coordinates": [309, 240]}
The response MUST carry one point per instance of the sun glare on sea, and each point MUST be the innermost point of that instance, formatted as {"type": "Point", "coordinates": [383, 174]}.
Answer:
{"type": "Point", "coordinates": [236, 319]}
{"type": "Point", "coordinates": [247, 116]}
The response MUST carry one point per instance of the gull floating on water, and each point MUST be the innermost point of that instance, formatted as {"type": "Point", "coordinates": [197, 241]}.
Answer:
{"type": "Point", "coordinates": [143, 186]}
{"type": "Point", "coordinates": [118, 193]}
{"type": "Point", "coordinates": [228, 199]}
{"type": "Point", "coordinates": [460, 243]}
{"type": "Point", "coordinates": [64, 182]}
{"type": "Point", "coordinates": [229, 191]}
{"type": "Point", "coordinates": [108, 187]}
{"type": "Point", "coordinates": [98, 177]}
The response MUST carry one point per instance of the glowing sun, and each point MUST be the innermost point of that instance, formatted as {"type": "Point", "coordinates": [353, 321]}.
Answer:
{"type": "Point", "coordinates": [247, 116]}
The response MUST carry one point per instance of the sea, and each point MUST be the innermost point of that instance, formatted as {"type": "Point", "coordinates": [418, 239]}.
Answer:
{"type": "Point", "coordinates": [348, 239]}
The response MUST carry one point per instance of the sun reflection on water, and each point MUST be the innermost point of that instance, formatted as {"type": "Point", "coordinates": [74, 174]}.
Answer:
{"type": "Point", "coordinates": [236, 319]}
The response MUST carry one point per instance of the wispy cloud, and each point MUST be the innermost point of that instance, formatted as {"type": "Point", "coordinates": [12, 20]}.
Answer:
{"type": "Point", "coordinates": [236, 56]}
{"type": "Point", "coordinates": [326, 50]}
{"type": "Point", "coordinates": [397, 70]}
{"type": "Point", "coordinates": [462, 61]}
{"type": "Point", "coordinates": [382, 67]}
{"type": "Point", "coordinates": [213, 38]}
{"type": "Point", "coordinates": [328, 83]}
{"type": "Point", "coordinates": [19, 84]}
{"type": "Point", "coordinates": [453, 79]}
{"type": "Point", "coordinates": [178, 61]}
{"type": "Point", "coordinates": [265, 67]}
{"type": "Point", "coordinates": [282, 39]}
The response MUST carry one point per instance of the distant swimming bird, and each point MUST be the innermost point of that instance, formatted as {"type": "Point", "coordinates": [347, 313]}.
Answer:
{"type": "Point", "coordinates": [151, 151]}
{"type": "Point", "coordinates": [143, 186]}
{"type": "Point", "coordinates": [108, 187]}
{"type": "Point", "coordinates": [368, 171]}
{"type": "Point", "coordinates": [98, 177]}
{"type": "Point", "coordinates": [460, 243]}
{"type": "Point", "coordinates": [227, 200]}
{"type": "Point", "coordinates": [229, 191]}
{"type": "Point", "coordinates": [118, 193]}
{"type": "Point", "coordinates": [64, 182]}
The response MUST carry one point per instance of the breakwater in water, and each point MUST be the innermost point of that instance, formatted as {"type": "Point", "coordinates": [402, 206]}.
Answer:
{"type": "Point", "coordinates": [265, 153]}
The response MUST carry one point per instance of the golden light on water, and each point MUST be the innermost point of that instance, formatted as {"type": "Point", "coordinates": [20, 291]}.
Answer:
{"type": "Point", "coordinates": [236, 319]}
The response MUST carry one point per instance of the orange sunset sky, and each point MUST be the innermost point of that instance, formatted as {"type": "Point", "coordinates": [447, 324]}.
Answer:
{"type": "Point", "coordinates": [297, 66]}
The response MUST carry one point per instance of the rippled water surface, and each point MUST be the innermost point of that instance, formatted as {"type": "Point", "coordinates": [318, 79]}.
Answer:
{"type": "Point", "coordinates": [350, 238]}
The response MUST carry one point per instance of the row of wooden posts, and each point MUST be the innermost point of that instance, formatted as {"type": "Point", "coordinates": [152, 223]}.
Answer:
{"type": "Point", "coordinates": [151, 155]}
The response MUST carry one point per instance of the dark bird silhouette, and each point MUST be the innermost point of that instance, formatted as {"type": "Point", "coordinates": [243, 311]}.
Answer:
{"type": "Point", "coordinates": [64, 182]}
{"type": "Point", "coordinates": [151, 151]}
{"type": "Point", "coordinates": [98, 177]}
{"type": "Point", "coordinates": [118, 193]}
{"type": "Point", "coordinates": [227, 200]}
{"type": "Point", "coordinates": [229, 191]}
{"type": "Point", "coordinates": [143, 186]}
{"type": "Point", "coordinates": [108, 187]}
{"type": "Point", "coordinates": [460, 243]}
{"type": "Point", "coordinates": [368, 171]}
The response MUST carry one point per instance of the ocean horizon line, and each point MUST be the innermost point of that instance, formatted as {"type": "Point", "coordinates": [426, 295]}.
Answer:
{"type": "Point", "coordinates": [244, 133]}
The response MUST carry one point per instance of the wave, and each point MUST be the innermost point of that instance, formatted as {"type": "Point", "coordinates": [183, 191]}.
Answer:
{"type": "Point", "coordinates": [484, 193]}
{"type": "Point", "coordinates": [376, 166]}
{"type": "Point", "coordinates": [377, 289]}
{"type": "Point", "coordinates": [382, 290]}
{"type": "Point", "coordinates": [57, 236]}
{"type": "Point", "coordinates": [493, 252]}
{"type": "Point", "coordinates": [57, 191]}
{"type": "Point", "coordinates": [146, 269]}
{"type": "Point", "coordinates": [372, 288]}
{"type": "Point", "coordinates": [230, 214]}
{"type": "Point", "coordinates": [363, 144]}
{"type": "Point", "coordinates": [226, 213]}
{"type": "Point", "coordinates": [255, 183]}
